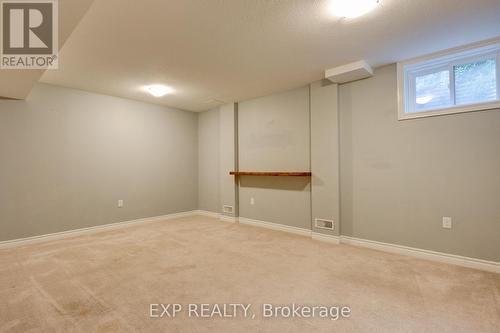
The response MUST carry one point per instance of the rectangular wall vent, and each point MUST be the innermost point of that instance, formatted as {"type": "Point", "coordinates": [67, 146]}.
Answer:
{"type": "Point", "coordinates": [227, 209]}
{"type": "Point", "coordinates": [324, 224]}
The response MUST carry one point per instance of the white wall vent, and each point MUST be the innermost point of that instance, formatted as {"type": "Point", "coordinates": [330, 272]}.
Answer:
{"type": "Point", "coordinates": [227, 209]}
{"type": "Point", "coordinates": [324, 224]}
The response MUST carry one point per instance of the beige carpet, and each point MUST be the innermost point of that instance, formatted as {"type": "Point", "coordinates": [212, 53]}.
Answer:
{"type": "Point", "coordinates": [106, 282]}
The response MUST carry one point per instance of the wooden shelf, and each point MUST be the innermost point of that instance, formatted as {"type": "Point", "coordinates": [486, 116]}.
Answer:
{"type": "Point", "coordinates": [272, 174]}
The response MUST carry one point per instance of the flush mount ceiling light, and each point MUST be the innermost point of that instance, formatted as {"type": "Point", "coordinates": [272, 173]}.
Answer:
{"type": "Point", "coordinates": [158, 90]}
{"type": "Point", "coordinates": [352, 8]}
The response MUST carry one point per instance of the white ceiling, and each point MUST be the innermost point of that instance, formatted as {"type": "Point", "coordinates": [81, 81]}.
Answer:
{"type": "Point", "coordinates": [233, 50]}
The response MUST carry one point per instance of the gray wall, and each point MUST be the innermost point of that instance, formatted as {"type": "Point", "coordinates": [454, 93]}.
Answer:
{"type": "Point", "coordinates": [208, 160]}
{"type": "Point", "coordinates": [273, 135]}
{"type": "Point", "coordinates": [217, 136]}
{"type": "Point", "coordinates": [399, 178]}
{"type": "Point", "coordinates": [68, 156]}
{"type": "Point", "coordinates": [325, 196]}
{"type": "Point", "coordinates": [228, 161]}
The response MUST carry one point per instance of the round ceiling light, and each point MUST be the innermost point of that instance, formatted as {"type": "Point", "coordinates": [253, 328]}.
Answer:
{"type": "Point", "coordinates": [158, 90]}
{"type": "Point", "coordinates": [352, 8]}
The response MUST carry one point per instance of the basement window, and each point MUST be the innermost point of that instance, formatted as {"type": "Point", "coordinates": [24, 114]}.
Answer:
{"type": "Point", "coordinates": [461, 81]}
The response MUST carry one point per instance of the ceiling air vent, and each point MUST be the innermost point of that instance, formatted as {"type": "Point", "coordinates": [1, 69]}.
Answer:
{"type": "Point", "coordinates": [215, 101]}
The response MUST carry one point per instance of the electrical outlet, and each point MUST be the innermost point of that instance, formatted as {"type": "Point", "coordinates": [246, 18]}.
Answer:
{"type": "Point", "coordinates": [252, 201]}
{"type": "Point", "coordinates": [120, 203]}
{"type": "Point", "coordinates": [447, 224]}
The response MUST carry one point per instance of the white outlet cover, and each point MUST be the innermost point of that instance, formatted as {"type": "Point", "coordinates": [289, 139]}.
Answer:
{"type": "Point", "coordinates": [252, 201]}
{"type": "Point", "coordinates": [447, 223]}
{"type": "Point", "coordinates": [120, 203]}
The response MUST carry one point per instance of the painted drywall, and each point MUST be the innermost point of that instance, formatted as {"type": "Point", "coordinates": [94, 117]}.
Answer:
{"type": "Point", "coordinates": [68, 156]}
{"type": "Point", "coordinates": [208, 161]}
{"type": "Point", "coordinates": [228, 142]}
{"type": "Point", "coordinates": [399, 178]}
{"type": "Point", "coordinates": [325, 196]}
{"type": "Point", "coordinates": [274, 135]}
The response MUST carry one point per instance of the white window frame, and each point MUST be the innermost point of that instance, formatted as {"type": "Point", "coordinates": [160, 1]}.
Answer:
{"type": "Point", "coordinates": [408, 70]}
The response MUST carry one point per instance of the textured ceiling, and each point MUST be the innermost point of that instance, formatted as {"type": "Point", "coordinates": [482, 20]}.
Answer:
{"type": "Point", "coordinates": [232, 50]}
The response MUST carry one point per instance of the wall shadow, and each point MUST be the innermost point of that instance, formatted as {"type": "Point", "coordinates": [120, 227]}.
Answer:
{"type": "Point", "coordinates": [279, 183]}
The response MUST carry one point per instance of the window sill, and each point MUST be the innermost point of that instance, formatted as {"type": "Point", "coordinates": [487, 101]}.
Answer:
{"type": "Point", "coordinates": [446, 111]}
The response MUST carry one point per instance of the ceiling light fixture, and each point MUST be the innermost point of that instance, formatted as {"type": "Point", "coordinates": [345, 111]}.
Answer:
{"type": "Point", "coordinates": [352, 8]}
{"type": "Point", "coordinates": [158, 90]}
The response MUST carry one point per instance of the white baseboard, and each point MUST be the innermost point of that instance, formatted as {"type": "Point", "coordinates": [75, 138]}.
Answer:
{"type": "Point", "coordinates": [90, 230]}
{"type": "Point", "coordinates": [227, 218]}
{"type": "Point", "coordinates": [222, 217]}
{"type": "Point", "coordinates": [485, 265]}
{"type": "Point", "coordinates": [325, 238]}
{"type": "Point", "coordinates": [275, 226]}
{"type": "Point", "coordinates": [207, 213]}
{"type": "Point", "coordinates": [490, 266]}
